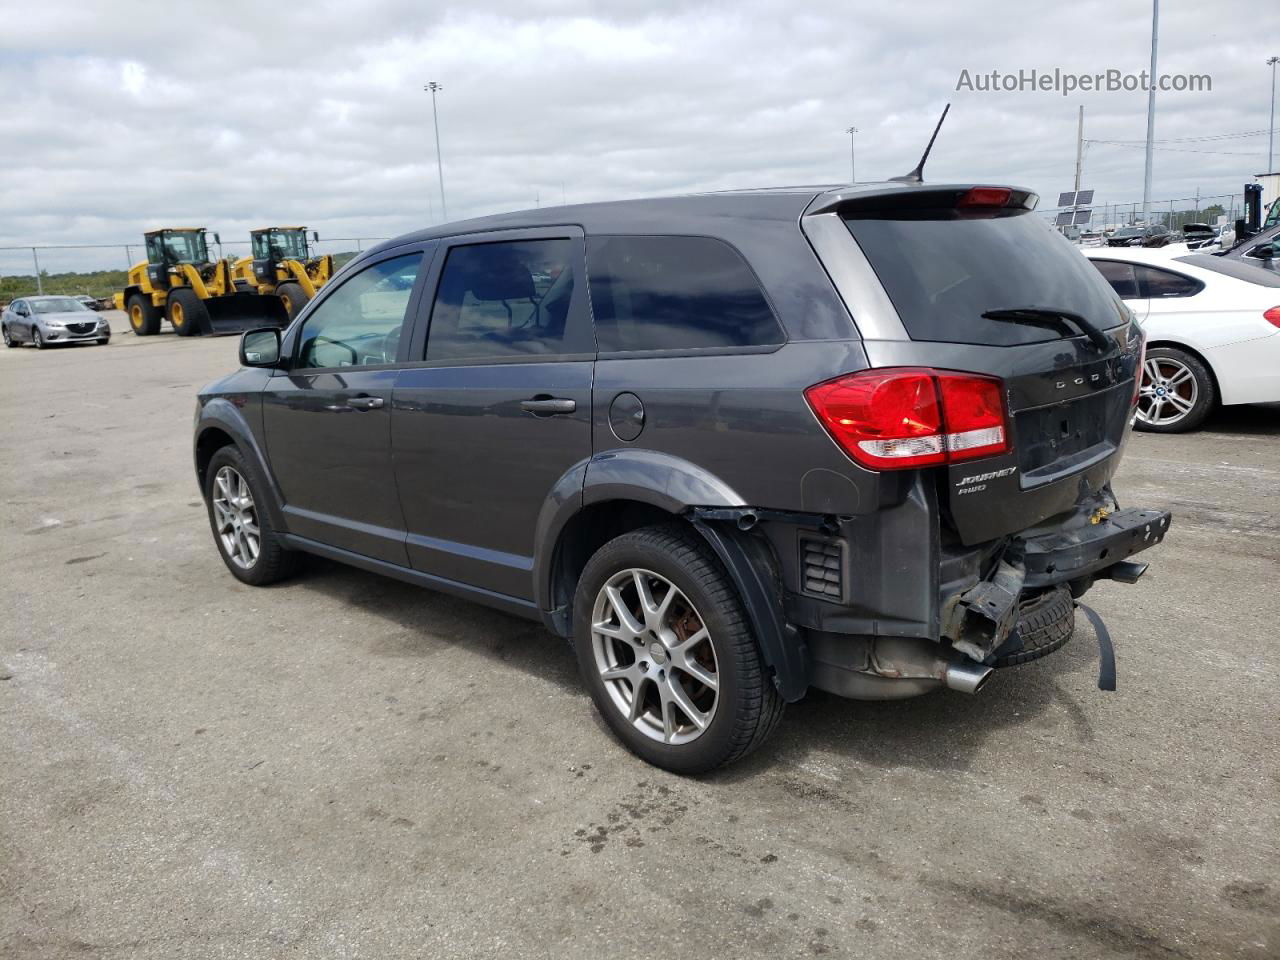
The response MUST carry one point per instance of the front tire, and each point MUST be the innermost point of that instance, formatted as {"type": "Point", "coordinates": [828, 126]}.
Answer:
{"type": "Point", "coordinates": [249, 546]}
{"type": "Point", "coordinates": [144, 316]}
{"type": "Point", "coordinates": [668, 654]}
{"type": "Point", "coordinates": [37, 340]}
{"type": "Point", "coordinates": [187, 313]}
{"type": "Point", "coordinates": [293, 297]}
{"type": "Point", "coordinates": [1177, 392]}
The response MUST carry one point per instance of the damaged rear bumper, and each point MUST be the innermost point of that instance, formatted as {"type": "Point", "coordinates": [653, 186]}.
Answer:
{"type": "Point", "coordinates": [982, 618]}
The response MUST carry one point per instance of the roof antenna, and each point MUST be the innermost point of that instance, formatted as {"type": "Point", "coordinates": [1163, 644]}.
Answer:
{"type": "Point", "coordinates": [916, 175]}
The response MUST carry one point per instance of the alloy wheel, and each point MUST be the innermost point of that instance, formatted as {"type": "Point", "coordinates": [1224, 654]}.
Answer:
{"type": "Point", "coordinates": [236, 518]}
{"type": "Point", "coordinates": [1169, 391]}
{"type": "Point", "coordinates": [654, 654]}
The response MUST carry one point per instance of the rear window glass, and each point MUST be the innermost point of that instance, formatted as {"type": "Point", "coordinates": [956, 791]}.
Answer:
{"type": "Point", "coordinates": [675, 293]}
{"type": "Point", "coordinates": [1122, 277]}
{"type": "Point", "coordinates": [943, 271]}
{"type": "Point", "coordinates": [1233, 268]}
{"type": "Point", "coordinates": [1163, 284]}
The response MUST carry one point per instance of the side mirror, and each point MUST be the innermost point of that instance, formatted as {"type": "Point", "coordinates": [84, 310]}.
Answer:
{"type": "Point", "coordinates": [217, 239]}
{"type": "Point", "coordinates": [315, 236]}
{"type": "Point", "coordinates": [260, 348]}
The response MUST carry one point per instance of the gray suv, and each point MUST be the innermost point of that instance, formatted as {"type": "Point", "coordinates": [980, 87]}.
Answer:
{"type": "Point", "coordinates": [732, 446]}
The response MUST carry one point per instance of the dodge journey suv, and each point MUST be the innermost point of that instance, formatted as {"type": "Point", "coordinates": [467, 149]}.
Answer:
{"type": "Point", "coordinates": [730, 446]}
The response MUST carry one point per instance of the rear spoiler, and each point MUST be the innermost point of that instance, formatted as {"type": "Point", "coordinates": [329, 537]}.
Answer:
{"type": "Point", "coordinates": [911, 196]}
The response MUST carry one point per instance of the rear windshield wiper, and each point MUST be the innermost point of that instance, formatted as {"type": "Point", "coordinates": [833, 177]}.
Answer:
{"type": "Point", "coordinates": [1045, 316]}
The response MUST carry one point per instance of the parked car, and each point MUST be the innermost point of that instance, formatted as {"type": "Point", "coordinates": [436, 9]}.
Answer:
{"type": "Point", "coordinates": [1197, 236]}
{"type": "Point", "coordinates": [1260, 250]}
{"type": "Point", "coordinates": [44, 321]}
{"type": "Point", "coordinates": [1154, 235]}
{"type": "Point", "coordinates": [734, 445]}
{"type": "Point", "coordinates": [1213, 332]}
{"type": "Point", "coordinates": [1125, 236]}
{"type": "Point", "coordinates": [93, 303]}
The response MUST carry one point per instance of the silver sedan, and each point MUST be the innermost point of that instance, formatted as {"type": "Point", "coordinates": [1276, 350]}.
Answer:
{"type": "Point", "coordinates": [44, 321]}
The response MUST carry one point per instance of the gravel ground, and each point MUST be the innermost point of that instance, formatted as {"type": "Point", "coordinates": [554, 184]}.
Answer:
{"type": "Point", "coordinates": [343, 766]}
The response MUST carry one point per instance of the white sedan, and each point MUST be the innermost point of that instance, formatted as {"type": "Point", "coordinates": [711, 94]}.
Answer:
{"type": "Point", "coordinates": [1213, 331]}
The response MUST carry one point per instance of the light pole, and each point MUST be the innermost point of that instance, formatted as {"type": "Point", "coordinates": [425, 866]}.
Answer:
{"type": "Point", "coordinates": [1151, 111]}
{"type": "Point", "coordinates": [432, 88]}
{"type": "Point", "coordinates": [853, 157]}
{"type": "Point", "coordinates": [1271, 137]}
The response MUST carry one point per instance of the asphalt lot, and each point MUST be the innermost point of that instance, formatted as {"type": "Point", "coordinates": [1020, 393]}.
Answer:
{"type": "Point", "coordinates": [343, 766]}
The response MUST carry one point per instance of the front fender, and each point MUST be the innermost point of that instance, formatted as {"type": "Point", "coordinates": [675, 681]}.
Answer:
{"type": "Point", "coordinates": [227, 415]}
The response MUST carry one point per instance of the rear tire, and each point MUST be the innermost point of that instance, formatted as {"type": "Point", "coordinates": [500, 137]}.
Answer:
{"type": "Point", "coordinates": [144, 316]}
{"type": "Point", "coordinates": [660, 658]}
{"type": "Point", "coordinates": [1189, 392]}
{"type": "Point", "coordinates": [8, 338]}
{"type": "Point", "coordinates": [293, 297]}
{"type": "Point", "coordinates": [236, 524]}
{"type": "Point", "coordinates": [187, 313]}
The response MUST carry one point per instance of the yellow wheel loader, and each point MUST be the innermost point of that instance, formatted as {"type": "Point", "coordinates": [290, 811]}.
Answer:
{"type": "Point", "coordinates": [282, 265]}
{"type": "Point", "coordinates": [179, 282]}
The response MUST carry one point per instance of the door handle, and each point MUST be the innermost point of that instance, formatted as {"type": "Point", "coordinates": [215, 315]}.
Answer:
{"type": "Point", "coordinates": [364, 403]}
{"type": "Point", "coordinates": [548, 406]}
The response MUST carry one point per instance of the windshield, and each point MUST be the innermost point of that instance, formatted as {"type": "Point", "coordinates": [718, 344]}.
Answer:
{"type": "Point", "coordinates": [1128, 232]}
{"type": "Point", "coordinates": [57, 305]}
{"type": "Point", "coordinates": [181, 247]}
{"type": "Point", "coordinates": [280, 245]}
{"type": "Point", "coordinates": [944, 271]}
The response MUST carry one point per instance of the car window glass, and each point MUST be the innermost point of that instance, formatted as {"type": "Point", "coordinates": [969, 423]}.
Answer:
{"type": "Point", "coordinates": [675, 293]}
{"type": "Point", "coordinates": [507, 299]}
{"type": "Point", "coordinates": [943, 271]}
{"type": "Point", "coordinates": [360, 322]}
{"type": "Point", "coordinates": [1163, 284]}
{"type": "Point", "coordinates": [1121, 276]}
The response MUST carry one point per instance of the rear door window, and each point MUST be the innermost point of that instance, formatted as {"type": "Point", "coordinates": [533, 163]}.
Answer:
{"type": "Point", "coordinates": [675, 293]}
{"type": "Point", "coordinates": [506, 300]}
{"type": "Point", "coordinates": [943, 269]}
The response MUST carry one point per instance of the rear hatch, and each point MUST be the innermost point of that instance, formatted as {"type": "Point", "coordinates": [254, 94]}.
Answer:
{"type": "Point", "coordinates": [984, 286]}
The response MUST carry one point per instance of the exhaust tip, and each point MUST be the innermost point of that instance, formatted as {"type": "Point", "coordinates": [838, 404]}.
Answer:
{"type": "Point", "coordinates": [966, 677]}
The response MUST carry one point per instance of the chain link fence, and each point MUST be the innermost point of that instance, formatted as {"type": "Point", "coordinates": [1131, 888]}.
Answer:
{"type": "Point", "coordinates": [100, 269]}
{"type": "Point", "coordinates": [1173, 214]}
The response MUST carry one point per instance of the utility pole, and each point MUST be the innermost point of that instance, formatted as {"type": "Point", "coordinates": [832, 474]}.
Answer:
{"type": "Point", "coordinates": [1271, 137]}
{"type": "Point", "coordinates": [39, 282]}
{"type": "Point", "coordinates": [1075, 197]}
{"type": "Point", "coordinates": [853, 156]}
{"type": "Point", "coordinates": [1151, 110]}
{"type": "Point", "coordinates": [433, 88]}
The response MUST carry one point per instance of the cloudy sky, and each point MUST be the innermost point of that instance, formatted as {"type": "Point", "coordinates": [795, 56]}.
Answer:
{"type": "Point", "coordinates": [127, 115]}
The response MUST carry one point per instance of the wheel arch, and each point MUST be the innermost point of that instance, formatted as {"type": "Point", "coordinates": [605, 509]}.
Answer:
{"type": "Point", "coordinates": [619, 493]}
{"type": "Point", "coordinates": [1199, 354]}
{"type": "Point", "coordinates": [632, 483]}
{"type": "Point", "coordinates": [221, 425]}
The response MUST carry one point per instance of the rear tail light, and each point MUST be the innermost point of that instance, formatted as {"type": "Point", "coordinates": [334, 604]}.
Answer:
{"type": "Point", "coordinates": [907, 417]}
{"type": "Point", "coordinates": [1272, 316]}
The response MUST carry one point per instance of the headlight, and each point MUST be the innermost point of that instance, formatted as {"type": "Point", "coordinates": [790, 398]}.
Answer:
{"type": "Point", "coordinates": [53, 324]}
